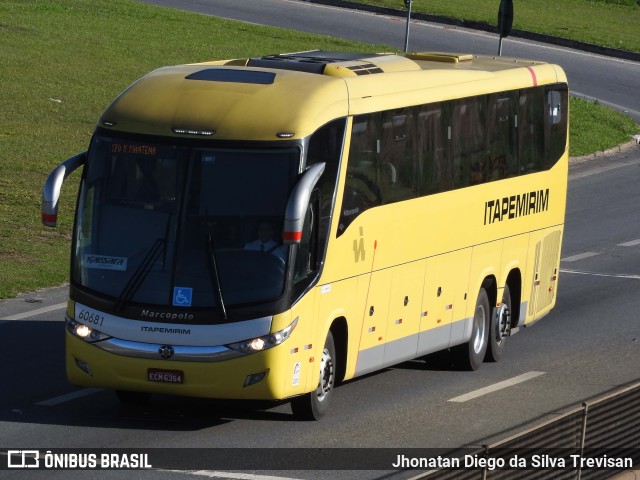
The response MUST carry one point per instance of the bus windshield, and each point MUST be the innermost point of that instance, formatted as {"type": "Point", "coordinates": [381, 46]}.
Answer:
{"type": "Point", "coordinates": [183, 226]}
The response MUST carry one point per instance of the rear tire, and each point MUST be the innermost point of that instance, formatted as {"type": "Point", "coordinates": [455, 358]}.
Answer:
{"type": "Point", "coordinates": [314, 405]}
{"type": "Point", "coordinates": [470, 355]}
{"type": "Point", "coordinates": [500, 328]}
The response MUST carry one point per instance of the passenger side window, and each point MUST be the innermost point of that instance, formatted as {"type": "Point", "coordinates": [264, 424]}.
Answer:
{"type": "Point", "coordinates": [434, 169]}
{"type": "Point", "coordinates": [361, 190]}
{"type": "Point", "coordinates": [468, 141]}
{"type": "Point", "coordinates": [395, 164]}
{"type": "Point", "coordinates": [531, 130]}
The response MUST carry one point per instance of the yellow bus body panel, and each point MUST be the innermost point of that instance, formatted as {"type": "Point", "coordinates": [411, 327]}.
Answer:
{"type": "Point", "coordinates": [297, 103]}
{"type": "Point", "coordinates": [222, 379]}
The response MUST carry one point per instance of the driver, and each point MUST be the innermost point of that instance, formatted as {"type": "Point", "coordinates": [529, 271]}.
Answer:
{"type": "Point", "coordinates": [265, 242]}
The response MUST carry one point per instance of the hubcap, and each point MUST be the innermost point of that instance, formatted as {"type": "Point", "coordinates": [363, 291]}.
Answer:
{"type": "Point", "coordinates": [503, 323]}
{"type": "Point", "coordinates": [326, 375]}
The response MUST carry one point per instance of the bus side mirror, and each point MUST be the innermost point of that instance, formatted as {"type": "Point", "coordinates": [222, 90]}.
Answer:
{"type": "Point", "coordinates": [53, 185]}
{"type": "Point", "coordinates": [298, 203]}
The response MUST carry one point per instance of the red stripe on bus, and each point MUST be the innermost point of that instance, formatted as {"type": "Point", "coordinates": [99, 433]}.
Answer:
{"type": "Point", "coordinates": [49, 218]}
{"type": "Point", "coordinates": [533, 76]}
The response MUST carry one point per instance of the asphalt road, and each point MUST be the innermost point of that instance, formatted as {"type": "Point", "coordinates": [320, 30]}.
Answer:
{"type": "Point", "coordinates": [613, 82]}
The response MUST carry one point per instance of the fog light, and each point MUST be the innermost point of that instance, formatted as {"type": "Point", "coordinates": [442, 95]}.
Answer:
{"type": "Point", "coordinates": [84, 367]}
{"type": "Point", "coordinates": [254, 378]}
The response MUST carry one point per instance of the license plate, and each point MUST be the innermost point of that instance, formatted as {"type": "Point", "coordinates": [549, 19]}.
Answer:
{"type": "Point", "coordinates": [165, 376]}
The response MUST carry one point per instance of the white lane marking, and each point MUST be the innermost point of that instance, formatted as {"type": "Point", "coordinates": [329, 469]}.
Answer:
{"type": "Point", "coordinates": [612, 275]}
{"type": "Point", "coordinates": [230, 475]}
{"type": "Point", "coordinates": [68, 397]}
{"type": "Point", "coordinates": [496, 386]}
{"type": "Point", "coordinates": [580, 256]}
{"type": "Point", "coordinates": [632, 243]}
{"type": "Point", "coordinates": [38, 311]}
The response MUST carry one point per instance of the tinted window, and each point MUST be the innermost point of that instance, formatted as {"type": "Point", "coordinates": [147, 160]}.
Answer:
{"type": "Point", "coordinates": [401, 154]}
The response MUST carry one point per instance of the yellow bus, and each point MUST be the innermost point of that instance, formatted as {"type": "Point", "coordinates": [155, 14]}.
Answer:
{"type": "Point", "coordinates": [263, 228]}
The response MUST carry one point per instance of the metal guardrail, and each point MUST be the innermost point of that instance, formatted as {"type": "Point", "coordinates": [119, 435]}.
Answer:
{"type": "Point", "coordinates": [607, 427]}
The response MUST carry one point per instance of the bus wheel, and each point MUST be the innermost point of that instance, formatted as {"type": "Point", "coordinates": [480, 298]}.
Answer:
{"type": "Point", "coordinates": [133, 398]}
{"type": "Point", "coordinates": [500, 327]}
{"type": "Point", "coordinates": [313, 405]}
{"type": "Point", "coordinates": [471, 354]}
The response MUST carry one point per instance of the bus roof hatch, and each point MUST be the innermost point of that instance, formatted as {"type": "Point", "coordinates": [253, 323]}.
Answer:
{"type": "Point", "coordinates": [316, 61]}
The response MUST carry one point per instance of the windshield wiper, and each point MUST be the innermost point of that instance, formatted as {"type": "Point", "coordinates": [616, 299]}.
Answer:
{"type": "Point", "coordinates": [214, 273]}
{"type": "Point", "coordinates": [140, 273]}
{"type": "Point", "coordinates": [143, 269]}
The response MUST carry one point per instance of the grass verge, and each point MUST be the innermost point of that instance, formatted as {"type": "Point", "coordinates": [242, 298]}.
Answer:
{"type": "Point", "coordinates": [63, 61]}
{"type": "Point", "coordinates": [596, 128]}
{"type": "Point", "coordinates": [609, 23]}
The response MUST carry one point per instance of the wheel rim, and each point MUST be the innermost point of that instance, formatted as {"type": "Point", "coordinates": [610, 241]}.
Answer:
{"type": "Point", "coordinates": [479, 325]}
{"type": "Point", "coordinates": [503, 323]}
{"type": "Point", "coordinates": [326, 375]}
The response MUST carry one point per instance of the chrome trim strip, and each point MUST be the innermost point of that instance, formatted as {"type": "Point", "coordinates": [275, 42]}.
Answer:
{"type": "Point", "coordinates": [181, 353]}
{"type": "Point", "coordinates": [152, 332]}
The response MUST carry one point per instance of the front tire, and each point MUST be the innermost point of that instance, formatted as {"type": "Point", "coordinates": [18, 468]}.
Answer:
{"type": "Point", "coordinates": [314, 405]}
{"type": "Point", "coordinates": [470, 355]}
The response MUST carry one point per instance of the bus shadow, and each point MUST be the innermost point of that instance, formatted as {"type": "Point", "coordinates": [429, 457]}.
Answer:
{"type": "Point", "coordinates": [36, 375]}
{"type": "Point", "coordinates": [161, 413]}
{"type": "Point", "coordinates": [199, 413]}
{"type": "Point", "coordinates": [442, 361]}
{"type": "Point", "coordinates": [34, 390]}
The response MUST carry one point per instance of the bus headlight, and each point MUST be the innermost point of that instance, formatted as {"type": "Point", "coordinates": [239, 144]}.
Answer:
{"type": "Point", "coordinates": [85, 332]}
{"type": "Point", "coordinates": [265, 342]}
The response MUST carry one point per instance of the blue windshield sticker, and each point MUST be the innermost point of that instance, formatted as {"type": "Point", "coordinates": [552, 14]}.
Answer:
{"type": "Point", "coordinates": [182, 296]}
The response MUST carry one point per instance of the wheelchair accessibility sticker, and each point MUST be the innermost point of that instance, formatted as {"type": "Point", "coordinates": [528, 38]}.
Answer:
{"type": "Point", "coordinates": [182, 296]}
